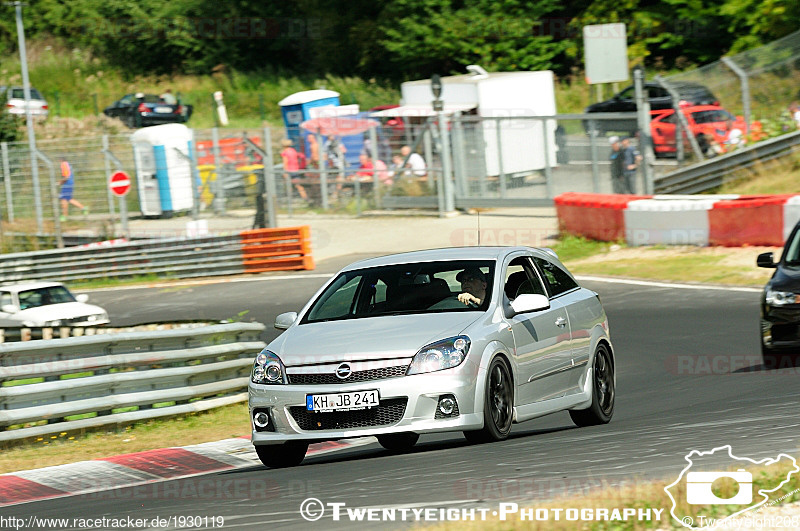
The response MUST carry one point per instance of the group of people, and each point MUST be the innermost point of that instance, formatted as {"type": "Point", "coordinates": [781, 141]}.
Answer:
{"type": "Point", "coordinates": [332, 156]}
{"type": "Point", "coordinates": [625, 160]}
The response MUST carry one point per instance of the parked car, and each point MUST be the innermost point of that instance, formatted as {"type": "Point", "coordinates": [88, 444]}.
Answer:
{"type": "Point", "coordinates": [780, 302]}
{"type": "Point", "coordinates": [47, 304]}
{"type": "Point", "coordinates": [707, 123]}
{"type": "Point", "coordinates": [141, 110]}
{"type": "Point", "coordinates": [658, 97]}
{"type": "Point", "coordinates": [393, 347]}
{"type": "Point", "coordinates": [15, 102]}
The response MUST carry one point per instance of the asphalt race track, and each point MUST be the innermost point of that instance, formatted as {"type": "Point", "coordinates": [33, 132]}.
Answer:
{"type": "Point", "coordinates": [688, 377]}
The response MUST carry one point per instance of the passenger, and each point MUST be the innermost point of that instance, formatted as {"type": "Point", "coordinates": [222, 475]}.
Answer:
{"type": "Point", "coordinates": [473, 286]}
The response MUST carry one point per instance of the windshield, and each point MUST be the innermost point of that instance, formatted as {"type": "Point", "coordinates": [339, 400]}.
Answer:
{"type": "Point", "coordinates": [424, 287]}
{"type": "Point", "coordinates": [44, 296]}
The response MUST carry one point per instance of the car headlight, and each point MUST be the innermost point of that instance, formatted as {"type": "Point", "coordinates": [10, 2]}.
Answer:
{"type": "Point", "coordinates": [268, 369]}
{"type": "Point", "coordinates": [444, 354]}
{"type": "Point", "coordinates": [781, 298]}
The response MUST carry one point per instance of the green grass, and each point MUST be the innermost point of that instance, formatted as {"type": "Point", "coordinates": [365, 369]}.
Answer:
{"type": "Point", "coordinates": [571, 248]}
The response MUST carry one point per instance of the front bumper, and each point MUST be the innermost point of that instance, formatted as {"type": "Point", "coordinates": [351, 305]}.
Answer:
{"type": "Point", "coordinates": [408, 404]}
{"type": "Point", "coordinates": [780, 326]}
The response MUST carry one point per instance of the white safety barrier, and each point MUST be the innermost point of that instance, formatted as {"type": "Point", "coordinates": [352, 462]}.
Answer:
{"type": "Point", "coordinates": [120, 378]}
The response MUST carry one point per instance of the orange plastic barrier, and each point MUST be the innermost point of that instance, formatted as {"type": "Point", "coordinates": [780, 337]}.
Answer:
{"type": "Point", "coordinates": [277, 249]}
{"type": "Point", "coordinates": [595, 216]}
{"type": "Point", "coordinates": [755, 220]}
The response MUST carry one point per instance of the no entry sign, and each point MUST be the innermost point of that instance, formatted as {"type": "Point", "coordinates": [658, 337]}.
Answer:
{"type": "Point", "coordinates": [119, 183]}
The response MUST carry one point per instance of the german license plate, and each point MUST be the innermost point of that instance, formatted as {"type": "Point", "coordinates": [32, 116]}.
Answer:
{"type": "Point", "coordinates": [342, 401]}
{"type": "Point", "coordinates": [163, 109]}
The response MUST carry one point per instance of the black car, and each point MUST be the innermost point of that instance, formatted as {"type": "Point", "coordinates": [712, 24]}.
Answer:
{"type": "Point", "coordinates": [659, 98]}
{"type": "Point", "coordinates": [780, 302]}
{"type": "Point", "coordinates": [140, 110]}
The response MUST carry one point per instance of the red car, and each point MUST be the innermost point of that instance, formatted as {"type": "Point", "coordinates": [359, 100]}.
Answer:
{"type": "Point", "coordinates": [707, 122]}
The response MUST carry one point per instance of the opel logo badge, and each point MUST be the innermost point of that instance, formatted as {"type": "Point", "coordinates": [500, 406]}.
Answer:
{"type": "Point", "coordinates": [343, 371]}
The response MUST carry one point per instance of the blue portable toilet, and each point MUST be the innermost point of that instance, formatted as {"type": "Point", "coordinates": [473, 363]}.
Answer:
{"type": "Point", "coordinates": [295, 109]}
{"type": "Point", "coordinates": [162, 155]}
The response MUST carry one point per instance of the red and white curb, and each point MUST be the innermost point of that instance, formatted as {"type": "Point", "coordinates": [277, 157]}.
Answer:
{"type": "Point", "coordinates": [141, 468]}
{"type": "Point", "coordinates": [726, 220]}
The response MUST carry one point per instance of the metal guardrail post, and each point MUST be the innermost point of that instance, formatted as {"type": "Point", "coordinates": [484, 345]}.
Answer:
{"type": "Point", "coordinates": [427, 147]}
{"type": "Point", "coordinates": [376, 181]}
{"type": "Point", "coordinates": [269, 175]}
{"type": "Point", "coordinates": [197, 182]}
{"type": "Point", "coordinates": [323, 175]}
{"type": "Point", "coordinates": [595, 155]}
{"type": "Point", "coordinates": [548, 171]}
{"type": "Point", "coordinates": [444, 137]}
{"type": "Point", "coordinates": [645, 143]}
{"type": "Point", "coordinates": [459, 162]}
{"type": "Point", "coordinates": [501, 174]}
{"type": "Point", "coordinates": [7, 182]}
{"type": "Point", "coordinates": [745, 83]}
{"type": "Point", "coordinates": [219, 195]}
{"type": "Point", "coordinates": [54, 198]}
{"type": "Point", "coordinates": [107, 167]}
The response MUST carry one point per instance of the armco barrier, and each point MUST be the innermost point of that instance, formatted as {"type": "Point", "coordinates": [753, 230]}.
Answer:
{"type": "Point", "coordinates": [727, 220]}
{"type": "Point", "coordinates": [173, 258]}
{"type": "Point", "coordinates": [594, 216]}
{"type": "Point", "coordinates": [108, 375]}
{"type": "Point", "coordinates": [276, 249]}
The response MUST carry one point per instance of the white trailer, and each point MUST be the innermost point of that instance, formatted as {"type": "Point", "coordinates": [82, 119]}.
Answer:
{"type": "Point", "coordinates": [495, 95]}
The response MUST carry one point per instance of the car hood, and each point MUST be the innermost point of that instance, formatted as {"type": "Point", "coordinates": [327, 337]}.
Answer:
{"type": "Point", "coordinates": [373, 338]}
{"type": "Point", "coordinates": [786, 278]}
{"type": "Point", "coordinates": [50, 312]}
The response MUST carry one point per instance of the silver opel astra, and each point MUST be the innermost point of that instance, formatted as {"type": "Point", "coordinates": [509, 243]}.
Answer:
{"type": "Point", "coordinates": [467, 339]}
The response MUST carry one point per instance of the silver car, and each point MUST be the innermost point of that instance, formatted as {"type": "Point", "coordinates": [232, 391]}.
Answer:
{"type": "Point", "coordinates": [466, 339]}
{"type": "Point", "coordinates": [15, 102]}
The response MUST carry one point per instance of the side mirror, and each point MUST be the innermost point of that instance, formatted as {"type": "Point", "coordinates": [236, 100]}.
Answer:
{"type": "Point", "coordinates": [766, 260]}
{"type": "Point", "coordinates": [9, 308]}
{"type": "Point", "coordinates": [82, 297]}
{"type": "Point", "coordinates": [529, 302]}
{"type": "Point", "coordinates": [285, 320]}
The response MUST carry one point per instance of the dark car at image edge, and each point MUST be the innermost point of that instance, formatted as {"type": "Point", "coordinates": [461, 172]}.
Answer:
{"type": "Point", "coordinates": [780, 303]}
{"type": "Point", "coordinates": [658, 97]}
{"type": "Point", "coordinates": [141, 110]}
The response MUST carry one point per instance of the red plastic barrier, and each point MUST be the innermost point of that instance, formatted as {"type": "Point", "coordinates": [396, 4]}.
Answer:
{"type": "Point", "coordinates": [748, 220]}
{"type": "Point", "coordinates": [280, 249]}
{"type": "Point", "coordinates": [595, 216]}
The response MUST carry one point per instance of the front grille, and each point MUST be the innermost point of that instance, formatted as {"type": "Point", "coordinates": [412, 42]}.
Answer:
{"type": "Point", "coordinates": [784, 332]}
{"type": "Point", "coordinates": [388, 412]}
{"type": "Point", "coordinates": [357, 376]}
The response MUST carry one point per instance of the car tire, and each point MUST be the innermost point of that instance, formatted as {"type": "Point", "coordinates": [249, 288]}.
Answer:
{"type": "Point", "coordinates": [282, 455]}
{"type": "Point", "coordinates": [398, 442]}
{"type": "Point", "coordinates": [603, 391]}
{"type": "Point", "coordinates": [498, 404]}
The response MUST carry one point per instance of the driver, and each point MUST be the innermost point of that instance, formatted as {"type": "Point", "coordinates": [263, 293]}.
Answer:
{"type": "Point", "coordinates": [473, 286]}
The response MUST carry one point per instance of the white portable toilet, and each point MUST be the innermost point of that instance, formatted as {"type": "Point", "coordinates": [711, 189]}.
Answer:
{"type": "Point", "coordinates": [163, 169]}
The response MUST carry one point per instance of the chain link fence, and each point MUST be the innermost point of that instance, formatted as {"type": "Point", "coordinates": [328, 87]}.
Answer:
{"type": "Point", "coordinates": [759, 84]}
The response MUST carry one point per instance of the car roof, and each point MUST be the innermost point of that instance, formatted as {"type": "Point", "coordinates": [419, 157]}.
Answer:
{"type": "Point", "coordinates": [448, 253]}
{"type": "Point", "coordinates": [25, 286]}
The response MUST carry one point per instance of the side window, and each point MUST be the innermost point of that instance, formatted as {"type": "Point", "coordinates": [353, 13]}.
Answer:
{"type": "Point", "coordinates": [558, 281]}
{"type": "Point", "coordinates": [521, 278]}
{"type": "Point", "coordinates": [339, 302]}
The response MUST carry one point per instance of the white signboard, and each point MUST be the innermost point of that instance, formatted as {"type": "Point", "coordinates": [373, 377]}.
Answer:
{"type": "Point", "coordinates": [605, 53]}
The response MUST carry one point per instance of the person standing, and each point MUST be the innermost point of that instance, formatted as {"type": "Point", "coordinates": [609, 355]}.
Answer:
{"type": "Point", "coordinates": [67, 185]}
{"type": "Point", "coordinates": [630, 163]}
{"type": "Point", "coordinates": [291, 165]}
{"type": "Point", "coordinates": [616, 158]}
{"type": "Point", "coordinates": [169, 98]}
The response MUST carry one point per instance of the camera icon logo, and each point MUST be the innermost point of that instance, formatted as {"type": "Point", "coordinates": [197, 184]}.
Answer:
{"type": "Point", "coordinates": [698, 488]}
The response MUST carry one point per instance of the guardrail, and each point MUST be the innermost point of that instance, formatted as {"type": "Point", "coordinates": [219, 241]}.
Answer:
{"type": "Point", "coordinates": [174, 257]}
{"type": "Point", "coordinates": [47, 386]}
{"type": "Point", "coordinates": [711, 173]}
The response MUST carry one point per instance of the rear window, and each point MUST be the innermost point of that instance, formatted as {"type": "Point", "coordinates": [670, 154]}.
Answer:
{"type": "Point", "coordinates": [708, 117]}
{"type": "Point", "coordinates": [18, 93]}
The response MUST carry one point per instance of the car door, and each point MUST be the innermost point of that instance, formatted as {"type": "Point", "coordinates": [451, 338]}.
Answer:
{"type": "Point", "coordinates": [541, 338]}
{"type": "Point", "coordinates": [584, 312]}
